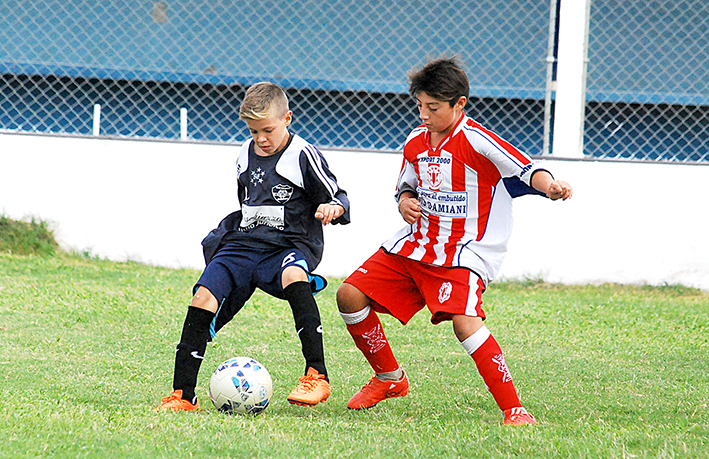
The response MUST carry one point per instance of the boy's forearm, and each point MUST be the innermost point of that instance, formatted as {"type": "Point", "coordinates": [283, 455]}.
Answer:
{"type": "Point", "coordinates": [541, 181]}
{"type": "Point", "coordinates": [406, 194]}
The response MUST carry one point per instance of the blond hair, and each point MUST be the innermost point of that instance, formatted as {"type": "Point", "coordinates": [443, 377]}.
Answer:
{"type": "Point", "coordinates": [263, 100]}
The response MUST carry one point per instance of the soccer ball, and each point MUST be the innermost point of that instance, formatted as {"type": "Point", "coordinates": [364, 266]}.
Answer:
{"type": "Point", "coordinates": [241, 385]}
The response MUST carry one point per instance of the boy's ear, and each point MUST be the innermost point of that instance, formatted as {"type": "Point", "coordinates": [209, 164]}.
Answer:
{"type": "Point", "coordinates": [289, 117]}
{"type": "Point", "coordinates": [461, 102]}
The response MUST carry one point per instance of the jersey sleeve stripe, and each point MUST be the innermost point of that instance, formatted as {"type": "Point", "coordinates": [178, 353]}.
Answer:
{"type": "Point", "coordinates": [314, 159]}
{"type": "Point", "coordinates": [515, 156]}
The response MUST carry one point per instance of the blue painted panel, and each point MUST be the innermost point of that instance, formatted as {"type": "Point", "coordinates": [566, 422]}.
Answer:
{"type": "Point", "coordinates": [338, 45]}
{"type": "Point", "coordinates": [649, 52]}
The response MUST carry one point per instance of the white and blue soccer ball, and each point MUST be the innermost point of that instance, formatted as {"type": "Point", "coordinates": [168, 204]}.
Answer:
{"type": "Point", "coordinates": [241, 385]}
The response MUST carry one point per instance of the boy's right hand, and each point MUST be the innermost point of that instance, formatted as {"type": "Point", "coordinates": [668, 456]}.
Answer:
{"type": "Point", "coordinates": [326, 213]}
{"type": "Point", "coordinates": [410, 209]}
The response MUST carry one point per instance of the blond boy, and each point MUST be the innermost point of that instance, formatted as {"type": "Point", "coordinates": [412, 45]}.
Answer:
{"type": "Point", "coordinates": [286, 194]}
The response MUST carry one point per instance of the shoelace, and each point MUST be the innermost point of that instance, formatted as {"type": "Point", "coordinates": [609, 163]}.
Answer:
{"type": "Point", "coordinates": [169, 398]}
{"type": "Point", "coordinates": [520, 413]}
{"type": "Point", "coordinates": [369, 387]}
{"type": "Point", "coordinates": [308, 383]}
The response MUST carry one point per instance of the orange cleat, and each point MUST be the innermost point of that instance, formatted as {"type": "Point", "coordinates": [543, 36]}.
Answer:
{"type": "Point", "coordinates": [312, 389]}
{"type": "Point", "coordinates": [377, 390]}
{"type": "Point", "coordinates": [175, 402]}
{"type": "Point", "coordinates": [518, 417]}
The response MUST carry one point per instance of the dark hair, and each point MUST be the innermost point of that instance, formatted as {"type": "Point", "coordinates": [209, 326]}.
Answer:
{"type": "Point", "coordinates": [443, 79]}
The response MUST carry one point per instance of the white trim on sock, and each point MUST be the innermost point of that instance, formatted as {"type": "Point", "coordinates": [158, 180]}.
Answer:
{"type": "Point", "coordinates": [395, 375]}
{"type": "Point", "coordinates": [355, 317]}
{"type": "Point", "coordinates": [474, 341]}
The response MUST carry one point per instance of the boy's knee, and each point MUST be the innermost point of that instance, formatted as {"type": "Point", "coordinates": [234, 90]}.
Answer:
{"type": "Point", "coordinates": [464, 326]}
{"type": "Point", "coordinates": [204, 299]}
{"type": "Point", "coordinates": [293, 274]}
{"type": "Point", "coordinates": [350, 299]}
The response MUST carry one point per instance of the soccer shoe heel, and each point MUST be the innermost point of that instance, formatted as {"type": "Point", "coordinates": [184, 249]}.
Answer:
{"type": "Point", "coordinates": [175, 402]}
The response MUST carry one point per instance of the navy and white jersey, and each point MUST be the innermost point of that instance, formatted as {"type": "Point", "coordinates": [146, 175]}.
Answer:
{"type": "Point", "coordinates": [278, 196]}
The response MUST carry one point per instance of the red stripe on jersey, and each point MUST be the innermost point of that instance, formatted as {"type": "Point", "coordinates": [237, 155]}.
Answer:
{"type": "Point", "coordinates": [509, 148]}
{"type": "Point", "coordinates": [488, 176]}
{"type": "Point", "coordinates": [458, 180]}
{"type": "Point", "coordinates": [408, 247]}
{"type": "Point", "coordinates": [434, 230]}
{"type": "Point", "coordinates": [485, 195]}
{"type": "Point", "coordinates": [434, 222]}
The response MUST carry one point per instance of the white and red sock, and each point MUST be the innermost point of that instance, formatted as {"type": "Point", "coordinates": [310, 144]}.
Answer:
{"type": "Point", "coordinates": [488, 357]}
{"type": "Point", "coordinates": [368, 334]}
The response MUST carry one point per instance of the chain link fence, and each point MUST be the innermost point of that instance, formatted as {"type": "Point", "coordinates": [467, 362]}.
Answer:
{"type": "Point", "coordinates": [178, 69]}
{"type": "Point", "coordinates": [648, 80]}
{"type": "Point", "coordinates": [343, 64]}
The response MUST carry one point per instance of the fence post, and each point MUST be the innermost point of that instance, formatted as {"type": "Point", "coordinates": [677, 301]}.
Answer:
{"type": "Point", "coordinates": [183, 124]}
{"type": "Point", "coordinates": [551, 60]}
{"type": "Point", "coordinates": [97, 119]}
{"type": "Point", "coordinates": [571, 79]}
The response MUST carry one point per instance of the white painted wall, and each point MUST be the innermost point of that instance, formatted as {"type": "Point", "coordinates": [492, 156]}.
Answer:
{"type": "Point", "coordinates": [153, 202]}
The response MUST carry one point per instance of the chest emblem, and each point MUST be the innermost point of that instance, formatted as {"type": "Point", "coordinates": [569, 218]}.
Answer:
{"type": "Point", "coordinates": [257, 176]}
{"type": "Point", "coordinates": [434, 174]}
{"type": "Point", "coordinates": [282, 193]}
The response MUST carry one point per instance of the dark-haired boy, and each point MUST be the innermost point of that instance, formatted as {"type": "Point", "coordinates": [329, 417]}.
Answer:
{"type": "Point", "coordinates": [455, 193]}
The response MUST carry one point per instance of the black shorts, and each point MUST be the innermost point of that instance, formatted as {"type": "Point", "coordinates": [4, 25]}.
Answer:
{"type": "Point", "coordinates": [233, 275]}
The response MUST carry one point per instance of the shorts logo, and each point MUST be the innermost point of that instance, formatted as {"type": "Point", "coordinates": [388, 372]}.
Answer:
{"type": "Point", "coordinates": [499, 359]}
{"type": "Point", "coordinates": [375, 339]}
{"type": "Point", "coordinates": [362, 270]}
{"type": "Point", "coordinates": [435, 176]}
{"type": "Point", "coordinates": [444, 293]}
{"type": "Point", "coordinates": [282, 193]}
{"type": "Point", "coordinates": [290, 258]}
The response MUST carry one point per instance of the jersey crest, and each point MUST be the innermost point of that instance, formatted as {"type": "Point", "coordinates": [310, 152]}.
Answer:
{"type": "Point", "coordinates": [282, 192]}
{"type": "Point", "coordinates": [435, 176]}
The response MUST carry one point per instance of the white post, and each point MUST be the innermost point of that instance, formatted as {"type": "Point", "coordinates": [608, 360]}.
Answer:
{"type": "Point", "coordinates": [571, 78]}
{"type": "Point", "coordinates": [97, 119]}
{"type": "Point", "coordinates": [183, 124]}
{"type": "Point", "coordinates": [551, 60]}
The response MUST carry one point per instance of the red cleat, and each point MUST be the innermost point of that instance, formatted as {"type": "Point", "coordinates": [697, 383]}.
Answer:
{"type": "Point", "coordinates": [377, 390]}
{"type": "Point", "coordinates": [518, 417]}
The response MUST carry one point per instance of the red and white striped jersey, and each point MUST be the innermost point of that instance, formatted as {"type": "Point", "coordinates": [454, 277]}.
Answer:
{"type": "Point", "coordinates": [466, 209]}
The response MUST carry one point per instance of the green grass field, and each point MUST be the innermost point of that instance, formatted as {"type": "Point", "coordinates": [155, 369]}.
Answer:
{"type": "Point", "coordinates": [87, 348]}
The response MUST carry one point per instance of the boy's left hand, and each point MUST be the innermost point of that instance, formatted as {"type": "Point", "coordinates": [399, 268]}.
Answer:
{"type": "Point", "coordinates": [329, 212]}
{"type": "Point", "coordinates": [558, 189]}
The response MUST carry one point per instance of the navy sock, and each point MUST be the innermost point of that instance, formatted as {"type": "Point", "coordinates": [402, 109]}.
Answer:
{"type": "Point", "coordinates": [307, 324]}
{"type": "Point", "coordinates": [190, 351]}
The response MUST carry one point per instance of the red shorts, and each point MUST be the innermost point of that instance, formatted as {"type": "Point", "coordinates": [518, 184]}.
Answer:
{"type": "Point", "coordinates": [402, 287]}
